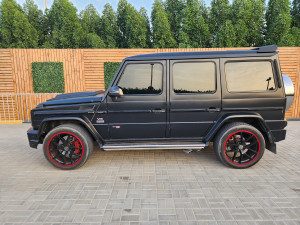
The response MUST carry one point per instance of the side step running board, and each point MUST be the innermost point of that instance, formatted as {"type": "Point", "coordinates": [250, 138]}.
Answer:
{"type": "Point", "coordinates": [135, 146]}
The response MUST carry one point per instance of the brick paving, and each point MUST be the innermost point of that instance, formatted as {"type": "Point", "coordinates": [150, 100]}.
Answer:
{"type": "Point", "coordinates": [148, 187]}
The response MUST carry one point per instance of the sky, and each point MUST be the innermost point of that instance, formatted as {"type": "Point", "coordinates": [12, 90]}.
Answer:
{"type": "Point", "coordinates": [81, 4]}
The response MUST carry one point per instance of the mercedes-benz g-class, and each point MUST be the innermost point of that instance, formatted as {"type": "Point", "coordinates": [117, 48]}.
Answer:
{"type": "Point", "coordinates": [183, 100]}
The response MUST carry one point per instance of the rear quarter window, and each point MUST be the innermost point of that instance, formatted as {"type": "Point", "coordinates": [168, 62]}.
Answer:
{"type": "Point", "coordinates": [252, 76]}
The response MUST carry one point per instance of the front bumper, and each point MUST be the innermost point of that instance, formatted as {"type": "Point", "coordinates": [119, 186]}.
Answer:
{"type": "Point", "coordinates": [33, 137]}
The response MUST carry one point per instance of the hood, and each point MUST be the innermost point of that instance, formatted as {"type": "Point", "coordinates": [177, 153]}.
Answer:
{"type": "Point", "coordinates": [75, 98]}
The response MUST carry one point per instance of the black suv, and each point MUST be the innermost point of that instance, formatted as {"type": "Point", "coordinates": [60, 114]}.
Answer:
{"type": "Point", "coordinates": [182, 100]}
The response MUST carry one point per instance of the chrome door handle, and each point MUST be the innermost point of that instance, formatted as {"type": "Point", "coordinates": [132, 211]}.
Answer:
{"type": "Point", "coordinates": [158, 111]}
{"type": "Point", "coordinates": [213, 109]}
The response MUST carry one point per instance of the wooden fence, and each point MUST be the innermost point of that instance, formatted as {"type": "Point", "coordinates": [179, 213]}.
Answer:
{"type": "Point", "coordinates": [84, 71]}
{"type": "Point", "coordinates": [17, 106]}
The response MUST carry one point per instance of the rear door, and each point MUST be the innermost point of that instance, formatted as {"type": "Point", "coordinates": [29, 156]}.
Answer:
{"type": "Point", "coordinates": [195, 97]}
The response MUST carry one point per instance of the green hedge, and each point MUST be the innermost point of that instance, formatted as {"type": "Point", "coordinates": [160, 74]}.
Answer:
{"type": "Point", "coordinates": [110, 69]}
{"type": "Point", "coordinates": [48, 77]}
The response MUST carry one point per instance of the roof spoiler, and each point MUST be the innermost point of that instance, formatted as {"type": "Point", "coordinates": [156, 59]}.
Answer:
{"type": "Point", "coordinates": [266, 49]}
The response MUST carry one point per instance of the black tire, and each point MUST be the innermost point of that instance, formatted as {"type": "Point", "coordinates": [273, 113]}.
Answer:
{"type": "Point", "coordinates": [64, 141]}
{"type": "Point", "coordinates": [231, 145]}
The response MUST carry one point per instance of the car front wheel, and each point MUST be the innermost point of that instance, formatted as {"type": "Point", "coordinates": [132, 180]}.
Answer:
{"type": "Point", "coordinates": [239, 145]}
{"type": "Point", "coordinates": [67, 146]}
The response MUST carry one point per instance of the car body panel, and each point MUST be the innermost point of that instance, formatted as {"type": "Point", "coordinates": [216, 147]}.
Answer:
{"type": "Point", "coordinates": [169, 116]}
{"type": "Point", "coordinates": [192, 115]}
{"type": "Point", "coordinates": [138, 116]}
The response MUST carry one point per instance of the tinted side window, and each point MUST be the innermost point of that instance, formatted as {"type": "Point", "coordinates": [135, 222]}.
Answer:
{"type": "Point", "coordinates": [142, 79]}
{"type": "Point", "coordinates": [249, 76]}
{"type": "Point", "coordinates": [194, 77]}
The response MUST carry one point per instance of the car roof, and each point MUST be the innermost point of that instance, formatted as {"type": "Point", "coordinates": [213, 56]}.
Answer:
{"type": "Point", "coordinates": [268, 50]}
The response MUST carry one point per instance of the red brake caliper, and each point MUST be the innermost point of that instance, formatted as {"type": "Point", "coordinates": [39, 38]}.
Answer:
{"type": "Point", "coordinates": [77, 147]}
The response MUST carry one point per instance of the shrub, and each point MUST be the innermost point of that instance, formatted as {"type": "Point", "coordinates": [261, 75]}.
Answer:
{"type": "Point", "coordinates": [110, 69]}
{"type": "Point", "coordinates": [48, 77]}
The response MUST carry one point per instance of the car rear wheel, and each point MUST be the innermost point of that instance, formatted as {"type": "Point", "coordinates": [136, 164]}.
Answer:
{"type": "Point", "coordinates": [239, 145]}
{"type": "Point", "coordinates": [68, 146]}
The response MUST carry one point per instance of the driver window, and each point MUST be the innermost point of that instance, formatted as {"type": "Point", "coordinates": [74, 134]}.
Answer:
{"type": "Point", "coordinates": [142, 79]}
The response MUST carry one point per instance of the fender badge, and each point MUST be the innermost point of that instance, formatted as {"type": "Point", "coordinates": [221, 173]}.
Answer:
{"type": "Point", "coordinates": [100, 120]}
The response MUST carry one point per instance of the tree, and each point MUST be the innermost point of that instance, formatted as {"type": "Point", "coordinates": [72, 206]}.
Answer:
{"type": "Point", "coordinates": [161, 29]}
{"type": "Point", "coordinates": [257, 24]}
{"type": "Point", "coordinates": [133, 30]}
{"type": "Point", "coordinates": [45, 43]}
{"type": "Point", "coordinates": [296, 13]}
{"type": "Point", "coordinates": [296, 35]}
{"type": "Point", "coordinates": [109, 27]}
{"type": "Point", "coordinates": [241, 31]}
{"type": "Point", "coordinates": [65, 30]}
{"type": "Point", "coordinates": [195, 30]}
{"type": "Point", "coordinates": [143, 12]}
{"type": "Point", "coordinates": [36, 19]}
{"type": "Point", "coordinates": [90, 19]}
{"type": "Point", "coordinates": [175, 11]}
{"type": "Point", "coordinates": [278, 19]}
{"type": "Point", "coordinates": [92, 40]}
{"type": "Point", "coordinates": [226, 36]}
{"type": "Point", "coordinates": [90, 22]}
{"type": "Point", "coordinates": [219, 21]}
{"type": "Point", "coordinates": [295, 31]}
{"type": "Point", "coordinates": [15, 29]}
{"type": "Point", "coordinates": [248, 20]}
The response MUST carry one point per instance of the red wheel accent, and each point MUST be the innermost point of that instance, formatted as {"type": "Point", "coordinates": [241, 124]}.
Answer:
{"type": "Point", "coordinates": [65, 149]}
{"type": "Point", "coordinates": [241, 148]}
{"type": "Point", "coordinates": [77, 147]}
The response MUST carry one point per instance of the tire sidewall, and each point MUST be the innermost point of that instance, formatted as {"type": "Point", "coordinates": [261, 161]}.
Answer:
{"type": "Point", "coordinates": [223, 138]}
{"type": "Point", "coordinates": [70, 130]}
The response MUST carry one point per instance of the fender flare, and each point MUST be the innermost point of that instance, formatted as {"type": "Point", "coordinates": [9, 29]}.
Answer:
{"type": "Point", "coordinates": [83, 121]}
{"type": "Point", "coordinates": [227, 117]}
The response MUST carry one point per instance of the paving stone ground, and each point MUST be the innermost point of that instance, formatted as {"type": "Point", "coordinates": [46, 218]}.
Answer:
{"type": "Point", "coordinates": [148, 187]}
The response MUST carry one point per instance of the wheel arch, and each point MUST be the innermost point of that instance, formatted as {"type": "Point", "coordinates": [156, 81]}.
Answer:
{"type": "Point", "coordinates": [50, 123]}
{"type": "Point", "coordinates": [252, 119]}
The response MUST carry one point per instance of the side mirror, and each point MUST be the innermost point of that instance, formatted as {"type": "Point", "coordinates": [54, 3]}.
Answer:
{"type": "Point", "coordinates": [115, 91]}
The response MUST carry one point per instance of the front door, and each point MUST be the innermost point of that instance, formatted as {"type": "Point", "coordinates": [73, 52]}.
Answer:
{"type": "Point", "coordinates": [195, 97]}
{"type": "Point", "coordinates": [141, 112]}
